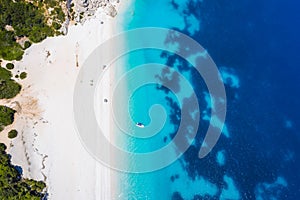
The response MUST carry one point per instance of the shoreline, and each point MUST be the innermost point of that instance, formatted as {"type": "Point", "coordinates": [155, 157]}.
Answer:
{"type": "Point", "coordinates": [47, 147]}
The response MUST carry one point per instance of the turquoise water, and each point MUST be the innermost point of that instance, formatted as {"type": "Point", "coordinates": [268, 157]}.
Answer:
{"type": "Point", "coordinates": [167, 182]}
{"type": "Point", "coordinates": [164, 183]}
{"type": "Point", "coordinates": [255, 45]}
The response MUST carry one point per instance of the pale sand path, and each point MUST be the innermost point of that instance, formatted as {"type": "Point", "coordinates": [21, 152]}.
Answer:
{"type": "Point", "coordinates": [48, 147]}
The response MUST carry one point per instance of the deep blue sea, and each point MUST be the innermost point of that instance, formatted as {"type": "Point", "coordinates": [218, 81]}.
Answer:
{"type": "Point", "coordinates": [256, 46]}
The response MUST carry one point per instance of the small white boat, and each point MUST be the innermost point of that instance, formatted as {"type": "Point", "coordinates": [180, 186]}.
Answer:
{"type": "Point", "coordinates": [140, 125]}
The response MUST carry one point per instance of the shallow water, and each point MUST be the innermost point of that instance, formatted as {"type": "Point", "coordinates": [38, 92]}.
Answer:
{"type": "Point", "coordinates": [255, 45]}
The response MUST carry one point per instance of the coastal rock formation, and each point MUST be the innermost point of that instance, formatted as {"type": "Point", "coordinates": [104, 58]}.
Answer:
{"type": "Point", "coordinates": [85, 9]}
{"type": "Point", "coordinates": [110, 10]}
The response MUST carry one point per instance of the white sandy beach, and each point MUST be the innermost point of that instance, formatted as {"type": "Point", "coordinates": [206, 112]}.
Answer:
{"type": "Point", "coordinates": [48, 147]}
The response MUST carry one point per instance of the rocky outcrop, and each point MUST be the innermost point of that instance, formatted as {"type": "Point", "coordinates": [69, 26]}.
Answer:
{"type": "Point", "coordinates": [85, 9]}
{"type": "Point", "coordinates": [110, 10]}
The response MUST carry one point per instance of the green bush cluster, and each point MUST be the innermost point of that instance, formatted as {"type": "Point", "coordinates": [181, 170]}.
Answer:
{"type": "Point", "coordinates": [10, 66]}
{"type": "Point", "coordinates": [26, 19]}
{"type": "Point", "coordinates": [12, 185]}
{"type": "Point", "coordinates": [23, 75]}
{"type": "Point", "coordinates": [27, 44]}
{"type": "Point", "coordinates": [19, 19]}
{"type": "Point", "coordinates": [9, 48]}
{"type": "Point", "coordinates": [8, 87]}
{"type": "Point", "coordinates": [6, 116]}
{"type": "Point", "coordinates": [12, 134]}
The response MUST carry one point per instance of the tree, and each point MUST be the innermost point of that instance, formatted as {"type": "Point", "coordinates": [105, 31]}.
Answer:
{"type": "Point", "coordinates": [8, 87]}
{"type": "Point", "coordinates": [10, 66]}
{"type": "Point", "coordinates": [23, 75]}
{"type": "Point", "coordinates": [13, 186]}
{"type": "Point", "coordinates": [12, 134]}
{"type": "Point", "coordinates": [6, 116]}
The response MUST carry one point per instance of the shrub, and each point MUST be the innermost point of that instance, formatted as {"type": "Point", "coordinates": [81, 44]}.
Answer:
{"type": "Point", "coordinates": [12, 185]}
{"type": "Point", "coordinates": [8, 87]}
{"type": "Point", "coordinates": [28, 19]}
{"type": "Point", "coordinates": [5, 74]}
{"type": "Point", "coordinates": [23, 75]}
{"type": "Point", "coordinates": [27, 44]}
{"type": "Point", "coordinates": [56, 26]}
{"type": "Point", "coordinates": [6, 116]}
{"type": "Point", "coordinates": [10, 66]}
{"type": "Point", "coordinates": [12, 134]}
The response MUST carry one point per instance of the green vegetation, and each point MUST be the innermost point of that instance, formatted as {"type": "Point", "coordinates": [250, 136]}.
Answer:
{"type": "Point", "coordinates": [9, 48]}
{"type": "Point", "coordinates": [32, 20]}
{"type": "Point", "coordinates": [12, 185]}
{"type": "Point", "coordinates": [23, 75]}
{"type": "Point", "coordinates": [10, 66]}
{"type": "Point", "coordinates": [6, 116]}
{"type": "Point", "coordinates": [29, 21]}
{"type": "Point", "coordinates": [56, 26]}
{"type": "Point", "coordinates": [8, 87]}
{"type": "Point", "coordinates": [27, 44]}
{"type": "Point", "coordinates": [12, 134]}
